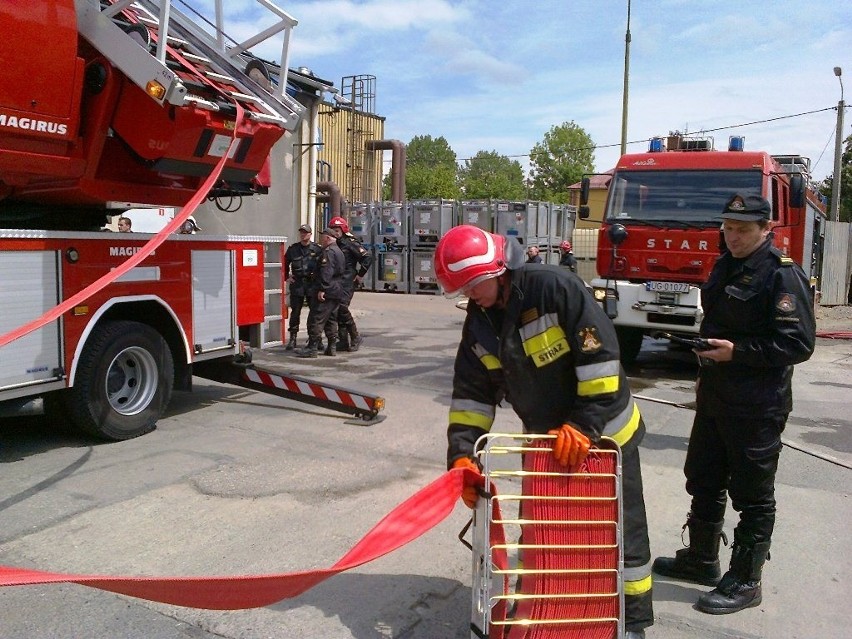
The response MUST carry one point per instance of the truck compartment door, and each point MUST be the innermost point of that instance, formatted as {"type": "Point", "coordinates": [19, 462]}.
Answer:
{"type": "Point", "coordinates": [213, 315]}
{"type": "Point", "coordinates": [30, 292]}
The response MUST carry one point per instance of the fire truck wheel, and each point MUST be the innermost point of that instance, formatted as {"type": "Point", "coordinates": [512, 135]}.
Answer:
{"type": "Point", "coordinates": [123, 383]}
{"type": "Point", "coordinates": [629, 343]}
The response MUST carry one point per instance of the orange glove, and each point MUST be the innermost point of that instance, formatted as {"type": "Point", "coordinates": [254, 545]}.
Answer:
{"type": "Point", "coordinates": [570, 447]}
{"type": "Point", "coordinates": [470, 492]}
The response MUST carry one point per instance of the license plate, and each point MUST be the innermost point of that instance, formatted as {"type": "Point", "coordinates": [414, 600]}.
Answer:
{"type": "Point", "coordinates": [667, 287]}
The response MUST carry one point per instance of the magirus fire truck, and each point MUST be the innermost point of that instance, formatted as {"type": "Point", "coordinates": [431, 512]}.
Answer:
{"type": "Point", "coordinates": [660, 234]}
{"type": "Point", "coordinates": [133, 101]}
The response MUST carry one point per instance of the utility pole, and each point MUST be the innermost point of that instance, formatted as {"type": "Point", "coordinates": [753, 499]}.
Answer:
{"type": "Point", "coordinates": [834, 213]}
{"type": "Point", "coordinates": [624, 92]}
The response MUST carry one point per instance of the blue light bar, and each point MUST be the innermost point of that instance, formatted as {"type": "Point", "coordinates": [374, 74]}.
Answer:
{"type": "Point", "coordinates": [657, 145]}
{"type": "Point", "coordinates": [736, 143]}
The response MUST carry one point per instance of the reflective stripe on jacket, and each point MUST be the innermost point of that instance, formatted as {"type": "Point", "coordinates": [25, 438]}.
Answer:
{"type": "Point", "coordinates": [552, 353]}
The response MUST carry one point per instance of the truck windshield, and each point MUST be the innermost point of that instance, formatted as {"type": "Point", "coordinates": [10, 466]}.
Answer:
{"type": "Point", "coordinates": [685, 197]}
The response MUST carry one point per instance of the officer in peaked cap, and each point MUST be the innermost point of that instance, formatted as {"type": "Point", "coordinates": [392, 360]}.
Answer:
{"type": "Point", "coordinates": [759, 320]}
{"type": "Point", "coordinates": [301, 261]}
{"type": "Point", "coordinates": [747, 208]}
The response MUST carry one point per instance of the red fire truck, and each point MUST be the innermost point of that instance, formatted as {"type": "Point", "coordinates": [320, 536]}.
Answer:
{"type": "Point", "coordinates": [119, 101]}
{"type": "Point", "coordinates": [660, 234]}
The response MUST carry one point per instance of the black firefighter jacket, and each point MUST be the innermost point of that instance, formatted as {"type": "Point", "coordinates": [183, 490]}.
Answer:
{"type": "Point", "coordinates": [331, 266]}
{"type": "Point", "coordinates": [301, 261]}
{"type": "Point", "coordinates": [763, 305]}
{"type": "Point", "coordinates": [552, 353]}
{"type": "Point", "coordinates": [357, 258]}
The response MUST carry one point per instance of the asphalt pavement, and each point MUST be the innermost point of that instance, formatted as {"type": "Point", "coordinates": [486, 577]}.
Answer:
{"type": "Point", "coordinates": [237, 482]}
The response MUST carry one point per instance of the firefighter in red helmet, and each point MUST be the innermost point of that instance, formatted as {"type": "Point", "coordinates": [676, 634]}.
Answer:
{"type": "Point", "coordinates": [535, 337]}
{"type": "Point", "coordinates": [358, 261]}
{"type": "Point", "coordinates": [566, 256]}
{"type": "Point", "coordinates": [338, 222]}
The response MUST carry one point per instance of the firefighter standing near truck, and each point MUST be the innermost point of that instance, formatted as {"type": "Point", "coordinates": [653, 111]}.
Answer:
{"type": "Point", "coordinates": [535, 337]}
{"type": "Point", "coordinates": [759, 321]}
{"type": "Point", "coordinates": [301, 260]}
{"type": "Point", "coordinates": [322, 317]}
{"type": "Point", "coordinates": [358, 261]}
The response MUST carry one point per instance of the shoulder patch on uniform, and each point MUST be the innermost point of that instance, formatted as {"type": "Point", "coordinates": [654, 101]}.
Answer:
{"type": "Point", "coordinates": [787, 261]}
{"type": "Point", "coordinates": [589, 340]}
{"type": "Point", "coordinates": [786, 303]}
{"type": "Point", "coordinates": [529, 315]}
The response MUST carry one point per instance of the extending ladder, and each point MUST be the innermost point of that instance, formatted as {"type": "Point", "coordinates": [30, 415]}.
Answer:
{"type": "Point", "coordinates": [568, 558]}
{"type": "Point", "coordinates": [125, 31]}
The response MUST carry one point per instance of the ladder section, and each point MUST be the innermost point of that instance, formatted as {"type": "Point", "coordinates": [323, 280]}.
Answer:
{"type": "Point", "coordinates": [547, 543]}
{"type": "Point", "coordinates": [176, 59]}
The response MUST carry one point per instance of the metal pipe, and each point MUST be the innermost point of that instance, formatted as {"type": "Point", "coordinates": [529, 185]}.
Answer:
{"type": "Point", "coordinates": [397, 164]}
{"type": "Point", "coordinates": [312, 162]}
{"type": "Point", "coordinates": [334, 196]}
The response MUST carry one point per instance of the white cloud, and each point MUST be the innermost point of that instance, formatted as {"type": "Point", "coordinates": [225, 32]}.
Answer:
{"type": "Point", "coordinates": [497, 75]}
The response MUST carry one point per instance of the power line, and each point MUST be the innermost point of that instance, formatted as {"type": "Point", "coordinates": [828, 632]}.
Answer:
{"type": "Point", "coordinates": [642, 141]}
{"type": "Point", "coordinates": [721, 128]}
{"type": "Point", "coordinates": [830, 138]}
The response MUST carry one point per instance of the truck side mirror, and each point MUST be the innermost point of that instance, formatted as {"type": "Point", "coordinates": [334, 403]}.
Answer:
{"type": "Point", "coordinates": [583, 212]}
{"type": "Point", "coordinates": [585, 185]}
{"type": "Point", "coordinates": [797, 191]}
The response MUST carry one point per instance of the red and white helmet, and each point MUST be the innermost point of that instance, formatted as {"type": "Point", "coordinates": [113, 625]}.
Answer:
{"type": "Point", "coordinates": [565, 246]}
{"type": "Point", "coordinates": [338, 222]}
{"type": "Point", "coordinates": [467, 255]}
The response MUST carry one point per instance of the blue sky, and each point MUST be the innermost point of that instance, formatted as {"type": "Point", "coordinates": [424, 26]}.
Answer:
{"type": "Point", "coordinates": [496, 75]}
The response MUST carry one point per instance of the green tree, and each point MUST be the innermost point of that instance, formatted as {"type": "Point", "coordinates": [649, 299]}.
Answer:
{"type": "Point", "coordinates": [431, 170]}
{"type": "Point", "coordinates": [845, 183]}
{"type": "Point", "coordinates": [560, 160]}
{"type": "Point", "coordinates": [491, 175]}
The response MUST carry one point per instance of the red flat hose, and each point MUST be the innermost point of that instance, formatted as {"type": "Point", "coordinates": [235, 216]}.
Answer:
{"type": "Point", "coordinates": [570, 551]}
{"type": "Point", "coordinates": [413, 517]}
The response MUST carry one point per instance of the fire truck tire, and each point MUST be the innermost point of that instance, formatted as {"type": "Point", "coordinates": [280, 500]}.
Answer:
{"type": "Point", "coordinates": [123, 382]}
{"type": "Point", "coordinates": [629, 343]}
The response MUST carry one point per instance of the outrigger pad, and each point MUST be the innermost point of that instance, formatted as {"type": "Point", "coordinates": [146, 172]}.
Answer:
{"type": "Point", "coordinates": [366, 421]}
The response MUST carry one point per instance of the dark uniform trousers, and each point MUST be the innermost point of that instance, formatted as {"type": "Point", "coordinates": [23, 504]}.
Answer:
{"type": "Point", "coordinates": [638, 607]}
{"type": "Point", "coordinates": [344, 315]}
{"type": "Point", "coordinates": [737, 456]}
{"type": "Point", "coordinates": [302, 292]}
{"type": "Point", "coordinates": [324, 318]}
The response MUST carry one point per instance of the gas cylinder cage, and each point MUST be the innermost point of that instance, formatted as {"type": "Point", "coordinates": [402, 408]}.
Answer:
{"type": "Point", "coordinates": [547, 545]}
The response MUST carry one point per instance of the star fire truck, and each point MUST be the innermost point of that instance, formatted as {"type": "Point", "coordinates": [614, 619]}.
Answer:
{"type": "Point", "coordinates": [660, 233]}
{"type": "Point", "coordinates": [133, 101]}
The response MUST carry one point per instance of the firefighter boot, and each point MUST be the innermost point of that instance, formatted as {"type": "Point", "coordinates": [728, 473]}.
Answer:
{"type": "Point", "coordinates": [354, 338]}
{"type": "Point", "coordinates": [699, 562]}
{"type": "Point", "coordinates": [342, 339]}
{"type": "Point", "coordinates": [331, 349]}
{"type": "Point", "coordinates": [310, 350]}
{"type": "Point", "coordinates": [292, 343]}
{"type": "Point", "coordinates": [740, 587]}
